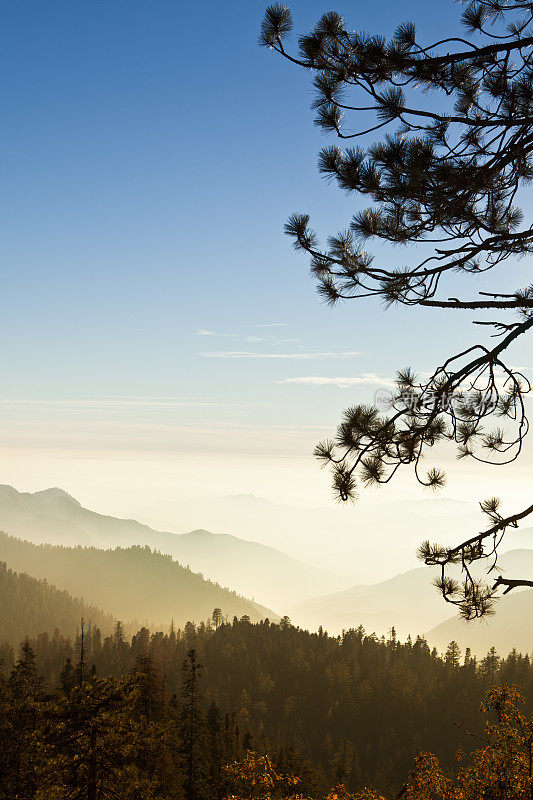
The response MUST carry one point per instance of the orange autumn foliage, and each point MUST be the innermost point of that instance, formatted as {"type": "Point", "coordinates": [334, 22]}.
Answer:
{"type": "Point", "coordinates": [341, 793]}
{"type": "Point", "coordinates": [256, 778]}
{"type": "Point", "coordinates": [502, 769]}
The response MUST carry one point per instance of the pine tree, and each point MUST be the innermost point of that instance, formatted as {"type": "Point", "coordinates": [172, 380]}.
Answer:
{"type": "Point", "coordinates": [216, 751]}
{"type": "Point", "coordinates": [453, 655]}
{"type": "Point", "coordinates": [67, 679]}
{"type": "Point", "coordinates": [93, 743]}
{"type": "Point", "coordinates": [81, 646]}
{"type": "Point", "coordinates": [217, 617]}
{"type": "Point", "coordinates": [25, 688]}
{"type": "Point", "coordinates": [150, 685]}
{"type": "Point", "coordinates": [192, 730]}
{"type": "Point", "coordinates": [8, 751]}
{"type": "Point", "coordinates": [443, 179]}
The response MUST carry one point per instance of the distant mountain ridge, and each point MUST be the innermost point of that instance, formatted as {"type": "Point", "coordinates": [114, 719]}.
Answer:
{"type": "Point", "coordinates": [406, 601]}
{"type": "Point", "coordinates": [509, 628]}
{"type": "Point", "coordinates": [409, 603]}
{"type": "Point", "coordinates": [370, 542]}
{"type": "Point", "coordinates": [253, 569]}
{"type": "Point", "coordinates": [130, 583]}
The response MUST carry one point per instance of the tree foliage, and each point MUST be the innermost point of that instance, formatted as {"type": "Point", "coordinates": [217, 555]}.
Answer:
{"type": "Point", "coordinates": [30, 606]}
{"type": "Point", "coordinates": [445, 177]}
{"type": "Point", "coordinates": [349, 711]}
{"type": "Point", "coordinates": [104, 578]}
{"type": "Point", "coordinates": [256, 778]}
{"type": "Point", "coordinates": [500, 770]}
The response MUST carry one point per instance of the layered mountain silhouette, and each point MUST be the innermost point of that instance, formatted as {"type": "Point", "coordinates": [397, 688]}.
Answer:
{"type": "Point", "coordinates": [132, 572]}
{"type": "Point", "coordinates": [253, 569]}
{"type": "Point", "coordinates": [509, 627]}
{"type": "Point", "coordinates": [130, 583]}
{"type": "Point", "coordinates": [409, 603]}
{"type": "Point", "coordinates": [370, 542]}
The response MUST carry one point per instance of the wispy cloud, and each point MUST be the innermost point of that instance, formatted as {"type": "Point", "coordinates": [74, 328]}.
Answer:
{"type": "Point", "coordinates": [266, 325]}
{"type": "Point", "coordinates": [206, 332]}
{"type": "Point", "coordinates": [112, 402]}
{"type": "Point", "coordinates": [231, 335]}
{"type": "Point", "coordinates": [342, 382]}
{"type": "Point", "coordinates": [239, 336]}
{"type": "Point", "coordinates": [295, 356]}
{"type": "Point", "coordinates": [268, 339]}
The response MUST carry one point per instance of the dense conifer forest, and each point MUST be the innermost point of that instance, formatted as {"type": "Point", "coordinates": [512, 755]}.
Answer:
{"type": "Point", "coordinates": [29, 606]}
{"type": "Point", "coordinates": [354, 709]}
{"type": "Point", "coordinates": [133, 583]}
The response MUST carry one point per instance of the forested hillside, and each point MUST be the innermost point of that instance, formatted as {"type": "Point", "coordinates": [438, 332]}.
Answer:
{"type": "Point", "coordinates": [357, 708]}
{"type": "Point", "coordinates": [29, 606]}
{"type": "Point", "coordinates": [52, 516]}
{"type": "Point", "coordinates": [131, 583]}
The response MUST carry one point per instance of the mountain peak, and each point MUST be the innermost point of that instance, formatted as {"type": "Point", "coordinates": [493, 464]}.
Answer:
{"type": "Point", "coordinates": [52, 495]}
{"type": "Point", "coordinates": [55, 494]}
{"type": "Point", "coordinates": [8, 491]}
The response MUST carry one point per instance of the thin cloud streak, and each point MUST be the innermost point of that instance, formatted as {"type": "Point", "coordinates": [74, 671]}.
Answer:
{"type": "Point", "coordinates": [238, 336]}
{"type": "Point", "coordinates": [105, 403]}
{"type": "Point", "coordinates": [302, 356]}
{"type": "Point", "coordinates": [227, 335]}
{"type": "Point", "coordinates": [266, 325]}
{"type": "Point", "coordinates": [343, 383]}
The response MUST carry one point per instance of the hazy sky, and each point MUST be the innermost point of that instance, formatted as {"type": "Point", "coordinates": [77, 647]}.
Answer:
{"type": "Point", "coordinates": [159, 334]}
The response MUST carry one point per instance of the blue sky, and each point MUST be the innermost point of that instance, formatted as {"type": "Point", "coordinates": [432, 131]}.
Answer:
{"type": "Point", "coordinates": [151, 153]}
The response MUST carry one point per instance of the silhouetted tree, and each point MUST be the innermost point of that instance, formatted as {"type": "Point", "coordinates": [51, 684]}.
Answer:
{"type": "Point", "coordinates": [150, 686]}
{"type": "Point", "coordinates": [216, 752]}
{"type": "Point", "coordinates": [93, 744]}
{"type": "Point", "coordinates": [25, 693]}
{"type": "Point", "coordinates": [67, 679]}
{"type": "Point", "coordinates": [448, 174]}
{"type": "Point", "coordinates": [453, 655]}
{"type": "Point", "coordinates": [192, 730]}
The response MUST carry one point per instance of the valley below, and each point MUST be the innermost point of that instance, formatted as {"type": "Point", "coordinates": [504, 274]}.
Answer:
{"type": "Point", "coordinates": [140, 575]}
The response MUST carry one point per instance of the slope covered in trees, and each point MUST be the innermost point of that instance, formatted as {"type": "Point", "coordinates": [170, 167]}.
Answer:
{"type": "Point", "coordinates": [52, 516]}
{"type": "Point", "coordinates": [29, 606]}
{"type": "Point", "coordinates": [352, 709]}
{"type": "Point", "coordinates": [102, 738]}
{"type": "Point", "coordinates": [131, 583]}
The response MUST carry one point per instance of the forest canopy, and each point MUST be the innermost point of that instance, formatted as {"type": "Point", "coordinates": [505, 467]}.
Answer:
{"type": "Point", "coordinates": [353, 709]}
